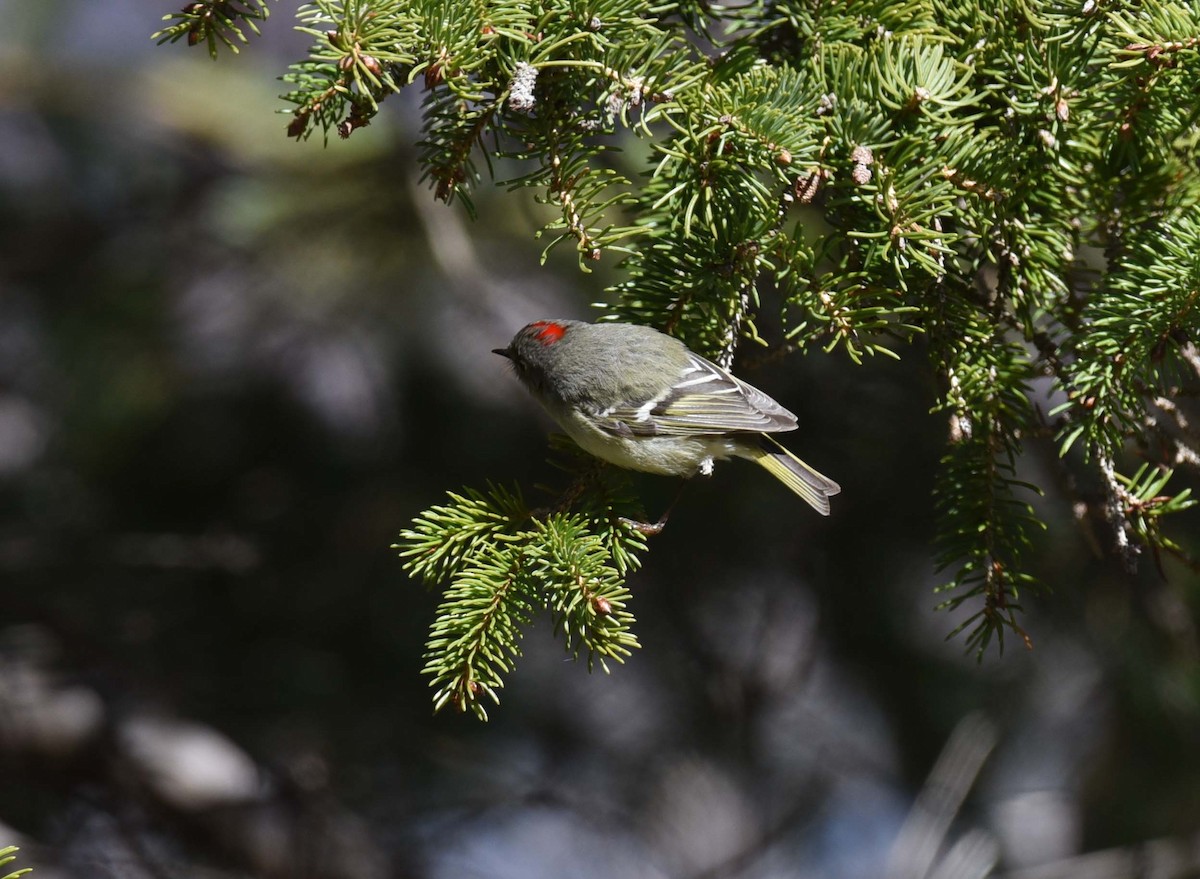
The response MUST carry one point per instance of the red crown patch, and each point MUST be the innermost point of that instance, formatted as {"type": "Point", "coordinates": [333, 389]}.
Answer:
{"type": "Point", "coordinates": [548, 332]}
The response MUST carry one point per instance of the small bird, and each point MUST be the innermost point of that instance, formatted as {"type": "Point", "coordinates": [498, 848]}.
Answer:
{"type": "Point", "coordinates": [640, 399]}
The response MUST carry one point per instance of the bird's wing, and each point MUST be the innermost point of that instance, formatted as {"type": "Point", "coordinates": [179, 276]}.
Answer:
{"type": "Point", "coordinates": [704, 400]}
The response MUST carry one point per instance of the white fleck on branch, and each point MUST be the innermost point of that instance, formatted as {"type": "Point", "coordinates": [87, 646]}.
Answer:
{"type": "Point", "coordinates": [521, 90]}
{"type": "Point", "coordinates": [1116, 500]}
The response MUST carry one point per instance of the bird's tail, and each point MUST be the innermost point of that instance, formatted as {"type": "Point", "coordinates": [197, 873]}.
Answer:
{"type": "Point", "coordinates": [814, 487]}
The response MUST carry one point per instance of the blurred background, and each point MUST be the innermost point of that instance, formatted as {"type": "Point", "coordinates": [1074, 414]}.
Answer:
{"type": "Point", "coordinates": [233, 367]}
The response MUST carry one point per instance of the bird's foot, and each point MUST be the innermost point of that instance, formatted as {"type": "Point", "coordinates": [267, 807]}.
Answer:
{"type": "Point", "coordinates": [647, 528]}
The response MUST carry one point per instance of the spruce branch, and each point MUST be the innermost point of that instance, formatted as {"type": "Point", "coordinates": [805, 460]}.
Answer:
{"type": "Point", "coordinates": [985, 522]}
{"type": "Point", "coordinates": [1137, 505]}
{"type": "Point", "coordinates": [473, 640]}
{"type": "Point", "coordinates": [587, 591]}
{"type": "Point", "coordinates": [1139, 325]}
{"type": "Point", "coordinates": [359, 48]}
{"type": "Point", "coordinates": [445, 537]}
{"type": "Point", "coordinates": [984, 528]}
{"type": "Point", "coordinates": [501, 563]}
{"type": "Point", "coordinates": [1155, 33]}
{"type": "Point", "coordinates": [214, 23]}
{"type": "Point", "coordinates": [1016, 184]}
{"type": "Point", "coordinates": [989, 570]}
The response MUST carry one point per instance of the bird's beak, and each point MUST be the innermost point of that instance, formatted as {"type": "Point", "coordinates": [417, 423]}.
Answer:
{"type": "Point", "coordinates": [503, 352]}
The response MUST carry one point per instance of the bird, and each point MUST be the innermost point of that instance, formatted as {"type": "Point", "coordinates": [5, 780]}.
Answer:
{"type": "Point", "coordinates": [641, 399]}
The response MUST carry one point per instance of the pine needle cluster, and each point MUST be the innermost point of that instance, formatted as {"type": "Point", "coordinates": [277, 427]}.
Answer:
{"type": "Point", "coordinates": [1009, 189]}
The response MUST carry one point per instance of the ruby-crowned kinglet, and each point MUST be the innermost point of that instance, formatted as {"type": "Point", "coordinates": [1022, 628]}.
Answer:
{"type": "Point", "coordinates": [640, 399]}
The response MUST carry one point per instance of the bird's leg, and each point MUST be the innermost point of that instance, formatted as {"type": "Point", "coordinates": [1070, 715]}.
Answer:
{"type": "Point", "coordinates": [647, 528]}
{"type": "Point", "coordinates": [650, 529]}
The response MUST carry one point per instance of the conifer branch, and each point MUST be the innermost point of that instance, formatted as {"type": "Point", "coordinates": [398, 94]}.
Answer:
{"type": "Point", "coordinates": [501, 563]}
{"type": "Point", "coordinates": [214, 23]}
{"type": "Point", "coordinates": [984, 524]}
{"type": "Point", "coordinates": [1017, 184]}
